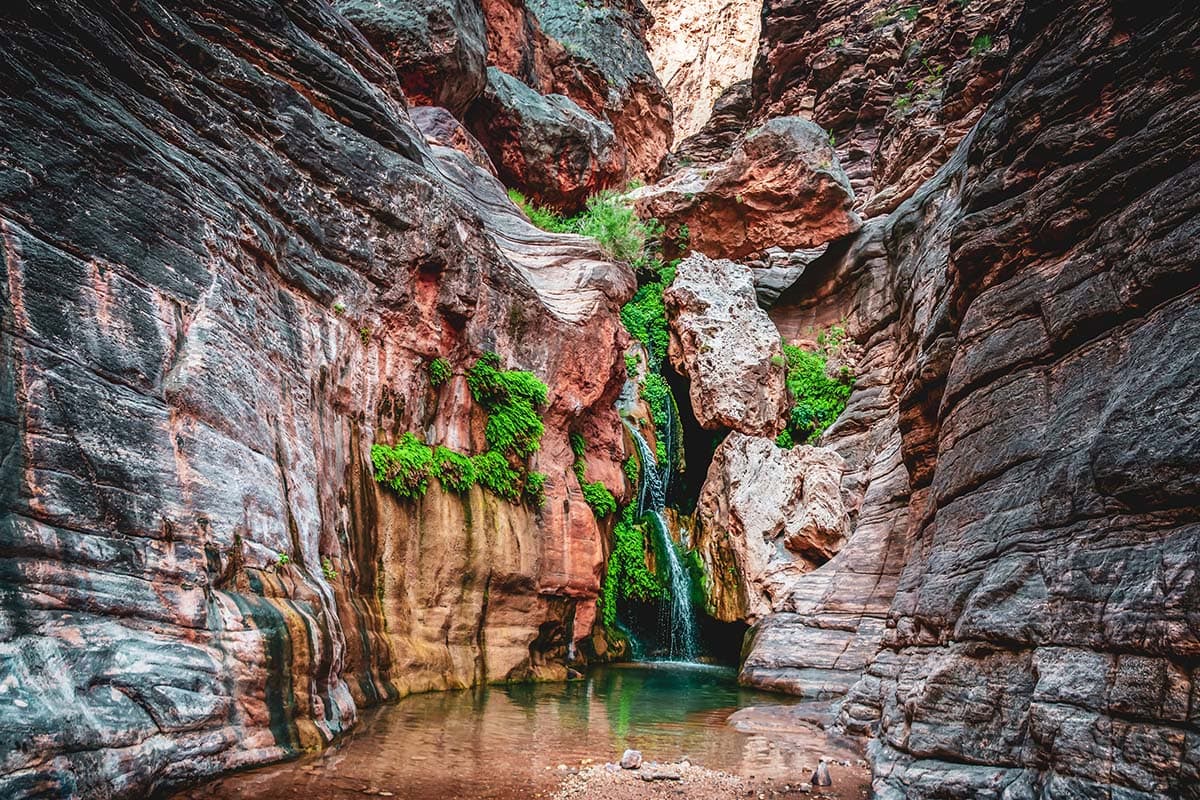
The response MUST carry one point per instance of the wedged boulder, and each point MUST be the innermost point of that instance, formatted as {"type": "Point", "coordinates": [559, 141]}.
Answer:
{"type": "Point", "coordinates": [546, 145]}
{"type": "Point", "coordinates": [782, 186]}
{"type": "Point", "coordinates": [441, 129]}
{"type": "Point", "coordinates": [727, 346]}
{"type": "Point", "coordinates": [438, 47]}
{"type": "Point", "coordinates": [714, 141]}
{"type": "Point", "coordinates": [767, 516]}
{"type": "Point", "coordinates": [595, 54]}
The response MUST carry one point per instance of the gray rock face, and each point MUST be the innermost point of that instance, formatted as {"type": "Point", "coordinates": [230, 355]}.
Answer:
{"type": "Point", "coordinates": [546, 144]}
{"type": "Point", "coordinates": [437, 47]}
{"type": "Point", "coordinates": [727, 346]}
{"type": "Point", "coordinates": [228, 256]}
{"type": "Point", "coordinates": [1028, 491]}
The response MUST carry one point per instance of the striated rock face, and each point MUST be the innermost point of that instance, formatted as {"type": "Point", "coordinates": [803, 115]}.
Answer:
{"type": "Point", "coordinates": [699, 50]}
{"type": "Point", "coordinates": [727, 347]}
{"type": "Point", "coordinates": [767, 516]}
{"type": "Point", "coordinates": [546, 144]}
{"type": "Point", "coordinates": [1021, 484]}
{"type": "Point", "coordinates": [438, 48]}
{"type": "Point", "coordinates": [782, 186]}
{"type": "Point", "coordinates": [260, 253]}
{"type": "Point", "coordinates": [594, 53]}
{"type": "Point", "coordinates": [898, 85]}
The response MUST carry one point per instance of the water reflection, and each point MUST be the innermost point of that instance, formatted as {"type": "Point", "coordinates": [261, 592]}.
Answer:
{"type": "Point", "coordinates": [507, 741]}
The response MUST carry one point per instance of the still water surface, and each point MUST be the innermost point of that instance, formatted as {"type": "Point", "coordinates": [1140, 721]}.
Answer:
{"type": "Point", "coordinates": [503, 742]}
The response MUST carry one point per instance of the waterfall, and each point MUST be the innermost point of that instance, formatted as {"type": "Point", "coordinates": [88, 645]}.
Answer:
{"type": "Point", "coordinates": [652, 498]}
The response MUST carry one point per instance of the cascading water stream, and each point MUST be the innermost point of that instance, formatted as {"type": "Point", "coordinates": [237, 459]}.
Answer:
{"type": "Point", "coordinates": [652, 498]}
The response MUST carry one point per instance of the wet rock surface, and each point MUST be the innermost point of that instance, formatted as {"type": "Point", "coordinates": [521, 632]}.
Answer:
{"type": "Point", "coordinates": [261, 254]}
{"type": "Point", "coordinates": [781, 186]}
{"type": "Point", "coordinates": [727, 346]}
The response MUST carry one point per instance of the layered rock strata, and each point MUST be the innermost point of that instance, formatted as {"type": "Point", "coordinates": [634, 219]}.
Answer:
{"type": "Point", "coordinates": [228, 258]}
{"type": "Point", "coordinates": [699, 50]}
{"type": "Point", "coordinates": [1022, 554]}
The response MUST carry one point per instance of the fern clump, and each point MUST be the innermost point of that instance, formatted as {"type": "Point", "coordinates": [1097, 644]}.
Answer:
{"type": "Point", "coordinates": [494, 473]}
{"type": "Point", "coordinates": [406, 466]}
{"type": "Point", "coordinates": [599, 498]}
{"type": "Point", "coordinates": [511, 399]}
{"type": "Point", "coordinates": [535, 488]}
{"type": "Point", "coordinates": [455, 471]}
{"type": "Point", "coordinates": [439, 371]}
{"type": "Point", "coordinates": [818, 399]}
{"type": "Point", "coordinates": [627, 576]}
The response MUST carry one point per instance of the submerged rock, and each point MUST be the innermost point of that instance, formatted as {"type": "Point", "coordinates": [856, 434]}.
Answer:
{"type": "Point", "coordinates": [727, 346]}
{"type": "Point", "coordinates": [781, 187]}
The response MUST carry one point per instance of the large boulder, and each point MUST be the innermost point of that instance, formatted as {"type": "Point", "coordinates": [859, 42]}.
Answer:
{"type": "Point", "coordinates": [767, 516]}
{"type": "Point", "coordinates": [546, 145]}
{"type": "Point", "coordinates": [438, 47]}
{"type": "Point", "coordinates": [781, 187]}
{"type": "Point", "coordinates": [727, 347]}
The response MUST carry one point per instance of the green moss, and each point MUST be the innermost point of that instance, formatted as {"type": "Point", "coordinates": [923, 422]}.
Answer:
{"type": "Point", "coordinates": [657, 394]}
{"type": "Point", "coordinates": [405, 467]}
{"type": "Point", "coordinates": [632, 470]}
{"type": "Point", "coordinates": [627, 577]}
{"type": "Point", "coordinates": [817, 398]}
{"type": "Point", "coordinates": [454, 470]}
{"type": "Point", "coordinates": [495, 474]}
{"type": "Point", "coordinates": [439, 371]}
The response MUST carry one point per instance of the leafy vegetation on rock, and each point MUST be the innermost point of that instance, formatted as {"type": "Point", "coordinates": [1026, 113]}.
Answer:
{"type": "Point", "coordinates": [495, 474]}
{"type": "Point", "coordinates": [627, 577]}
{"type": "Point", "coordinates": [454, 470]}
{"type": "Point", "coordinates": [817, 397]}
{"type": "Point", "coordinates": [405, 466]}
{"type": "Point", "coordinates": [439, 371]}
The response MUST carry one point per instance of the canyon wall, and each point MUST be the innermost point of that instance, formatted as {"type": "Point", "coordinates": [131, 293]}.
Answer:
{"type": "Point", "coordinates": [229, 258]}
{"type": "Point", "coordinates": [1019, 590]}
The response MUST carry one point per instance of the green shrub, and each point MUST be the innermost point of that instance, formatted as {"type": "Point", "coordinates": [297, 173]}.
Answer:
{"type": "Point", "coordinates": [327, 569]}
{"type": "Point", "coordinates": [817, 398]}
{"type": "Point", "coordinates": [439, 371]}
{"type": "Point", "coordinates": [599, 498]}
{"type": "Point", "coordinates": [784, 440]}
{"type": "Point", "coordinates": [542, 218]}
{"type": "Point", "coordinates": [535, 488]}
{"type": "Point", "coordinates": [455, 471]}
{"type": "Point", "coordinates": [495, 474]}
{"type": "Point", "coordinates": [406, 467]}
{"type": "Point", "coordinates": [615, 226]}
